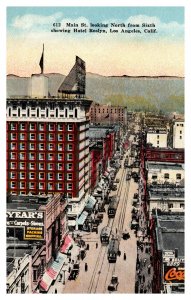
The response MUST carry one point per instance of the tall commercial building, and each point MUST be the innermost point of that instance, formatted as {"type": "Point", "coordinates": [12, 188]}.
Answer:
{"type": "Point", "coordinates": [47, 141]}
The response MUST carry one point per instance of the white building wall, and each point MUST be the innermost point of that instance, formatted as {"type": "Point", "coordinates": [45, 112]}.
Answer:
{"type": "Point", "coordinates": [160, 175]}
{"type": "Point", "coordinates": [157, 139]}
{"type": "Point", "coordinates": [178, 134]}
{"type": "Point", "coordinates": [39, 86]}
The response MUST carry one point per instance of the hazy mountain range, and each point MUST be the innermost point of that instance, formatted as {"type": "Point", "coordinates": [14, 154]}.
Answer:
{"type": "Point", "coordinates": [137, 93]}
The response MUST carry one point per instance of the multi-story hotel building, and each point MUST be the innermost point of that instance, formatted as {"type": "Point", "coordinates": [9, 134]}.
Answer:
{"type": "Point", "coordinates": [48, 145]}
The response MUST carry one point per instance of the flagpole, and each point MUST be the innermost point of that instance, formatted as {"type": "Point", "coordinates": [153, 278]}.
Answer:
{"type": "Point", "coordinates": [43, 60]}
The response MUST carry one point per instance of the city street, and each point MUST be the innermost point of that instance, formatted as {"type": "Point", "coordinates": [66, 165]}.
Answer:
{"type": "Point", "coordinates": [98, 276]}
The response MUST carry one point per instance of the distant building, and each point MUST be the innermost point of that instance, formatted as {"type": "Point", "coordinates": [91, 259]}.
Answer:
{"type": "Point", "coordinates": [108, 114]}
{"type": "Point", "coordinates": [168, 253]}
{"type": "Point", "coordinates": [169, 173]}
{"type": "Point", "coordinates": [176, 134]}
{"type": "Point", "coordinates": [164, 155]}
{"type": "Point", "coordinates": [157, 137]}
{"type": "Point", "coordinates": [167, 199]}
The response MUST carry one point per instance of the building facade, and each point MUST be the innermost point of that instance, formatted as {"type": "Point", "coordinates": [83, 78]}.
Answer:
{"type": "Point", "coordinates": [108, 114]}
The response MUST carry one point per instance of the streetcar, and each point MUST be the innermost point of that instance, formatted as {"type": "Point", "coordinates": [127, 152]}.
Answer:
{"type": "Point", "coordinates": [105, 234]}
{"type": "Point", "coordinates": [113, 250]}
{"type": "Point", "coordinates": [112, 207]}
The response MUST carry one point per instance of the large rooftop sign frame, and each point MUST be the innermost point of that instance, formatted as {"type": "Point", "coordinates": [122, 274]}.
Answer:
{"type": "Point", "coordinates": [32, 223]}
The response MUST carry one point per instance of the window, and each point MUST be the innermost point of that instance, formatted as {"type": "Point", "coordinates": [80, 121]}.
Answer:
{"type": "Point", "coordinates": [50, 176]}
{"type": "Point", "coordinates": [41, 185]}
{"type": "Point", "coordinates": [13, 126]}
{"type": "Point", "coordinates": [60, 166]}
{"type": "Point", "coordinates": [69, 166]}
{"type": "Point", "coordinates": [13, 136]}
{"type": "Point", "coordinates": [60, 186]}
{"type": "Point", "coordinates": [22, 185]}
{"type": "Point", "coordinates": [13, 175]}
{"type": "Point", "coordinates": [166, 176]}
{"type": "Point", "coordinates": [41, 175]}
{"type": "Point", "coordinates": [32, 185]}
{"type": "Point", "coordinates": [13, 184]}
{"type": "Point", "coordinates": [13, 165]}
{"type": "Point", "coordinates": [154, 177]}
{"type": "Point", "coordinates": [69, 156]}
{"type": "Point", "coordinates": [51, 127]}
{"type": "Point", "coordinates": [157, 136]}
{"type": "Point", "coordinates": [22, 165]}
{"type": "Point", "coordinates": [180, 137]}
{"type": "Point", "coordinates": [41, 136]}
{"type": "Point", "coordinates": [41, 166]}
{"type": "Point", "coordinates": [32, 156]}
{"type": "Point", "coordinates": [13, 146]}
{"type": "Point", "coordinates": [178, 176]}
{"type": "Point", "coordinates": [50, 166]}
{"type": "Point", "coordinates": [22, 155]}
{"type": "Point", "coordinates": [32, 136]}
{"type": "Point", "coordinates": [170, 205]}
{"type": "Point", "coordinates": [23, 126]}
{"type": "Point", "coordinates": [70, 127]}
{"type": "Point", "coordinates": [41, 127]}
{"type": "Point", "coordinates": [69, 195]}
{"type": "Point", "coordinates": [182, 125]}
{"type": "Point", "coordinates": [22, 146]}
{"type": "Point", "coordinates": [22, 175]}
{"type": "Point", "coordinates": [50, 156]}
{"type": "Point", "coordinates": [182, 205]}
{"type": "Point", "coordinates": [69, 186]}
{"type": "Point", "coordinates": [60, 147]}
{"type": "Point", "coordinates": [31, 166]}
{"type": "Point", "coordinates": [180, 131]}
{"type": "Point", "coordinates": [60, 156]}
{"type": "Point", "coordinates": [50, 146]}
{"type": "Point", "coordinates": [69, 176]}
{"type": "Point", "coordinates": [41, 146]}
{"type": "Point", "coordinates": [60, 127]}
{"type": "Point", "coordinates": [70, 137]}
{"type": "Point", "coordinates": [60, 137]}
{"type": "Point", "coordinates": [32, 126]}
{"type": "Point", "coordinates": [177, 124]}
{"type": "Point", "coordinates": [70, 147]}
{"type": "Point", "coordinates": [41, 156]}
{"type": "Point", "coordinates": [32, 175]}
{"type": "Point", "coordinates": [32, 146]}
{"type": "Point", "coordinates": [13, 155]}
{"type": "Point", "coordinates": [50, 186]}
{"type": "Point", "coordinates": [60, 176]}
{"type": "Point", "coordinates": [51, 137]}
{"type": "Point", "coordinates": [157, 142]}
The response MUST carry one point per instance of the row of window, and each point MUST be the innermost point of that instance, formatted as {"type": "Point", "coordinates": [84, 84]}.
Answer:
{"type": "Point", "coordinates": [41, 176]}
{"type": "Point", "coordinates": [41, 146]}
{"type": "Point", "coordinates": [41, 156]}
{"type": "Point", "coordinates": [38, 113]}
{"type": "Point", "coordinates": [41, 126]}
{"type": "Point", "coordinates": [41, 137]}
{"type": "Point", "coordinates": [181, 125]}
{"type": "Point", "coordinates": [41, 166]}
{"type": "Point", "coordinates": [166, 176]}
{"type": "Point", "coordinates": [40, 185]}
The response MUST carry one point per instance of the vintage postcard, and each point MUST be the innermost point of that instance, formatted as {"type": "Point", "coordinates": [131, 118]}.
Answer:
{"type": "Point", "coordinates": [95, 150]}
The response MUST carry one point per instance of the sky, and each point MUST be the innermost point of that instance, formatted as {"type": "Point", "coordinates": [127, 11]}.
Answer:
{"type": "Point", "coordinates": [160, 52]}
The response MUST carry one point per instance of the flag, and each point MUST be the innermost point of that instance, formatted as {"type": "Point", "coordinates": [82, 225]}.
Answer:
{"type": "Point", "coordinates": [41, 63]}
{"type": "Point", "coordinates": [107, 116]}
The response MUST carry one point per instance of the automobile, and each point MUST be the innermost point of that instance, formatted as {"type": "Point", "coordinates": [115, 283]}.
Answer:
{"type": "Point", "coordinates": [117, 180]}
{"type": "Point", "coordinates": [135, 196]}
{"type": "Point", "coordinates": [125, 235]}
{"type": "Point", "coordinates": [113, 284]}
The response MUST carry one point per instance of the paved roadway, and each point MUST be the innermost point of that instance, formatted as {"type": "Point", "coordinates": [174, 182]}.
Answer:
{"type": "Point", "coordinates": [100, 271]}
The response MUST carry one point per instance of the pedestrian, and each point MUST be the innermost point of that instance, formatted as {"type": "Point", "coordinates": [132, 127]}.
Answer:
{"type": "Point", "coordinates": [145, 260]}
{"type": "Point", "coordinates": [87, 247]}
{"type": "Point", "coordinates": [116, 230]}
{"type": "Point", "coordinates": [139, 276]}
{"type": "Point", "coordinates": [124, 256]}
{"type": "Point", "coordinates": [96, 245]}
{"type": "Point", "coordinates": [86, 267]}
{"type": "Point", "coordinates": [55, 291]}
{"type": "Point", "coordinates": [149, 269]}
{"type": "Point", "coordinates": [141, 288]}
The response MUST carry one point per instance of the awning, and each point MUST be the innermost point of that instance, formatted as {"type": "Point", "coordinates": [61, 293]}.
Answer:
{"type": "Point", "coordinates": [91, 202]}
{"type": "Point", "coordinates": [68, 242]}
{"type": "Point", "coordinates": [52, 272]}
{"type": "Point", "coordinates": [82, 218]}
